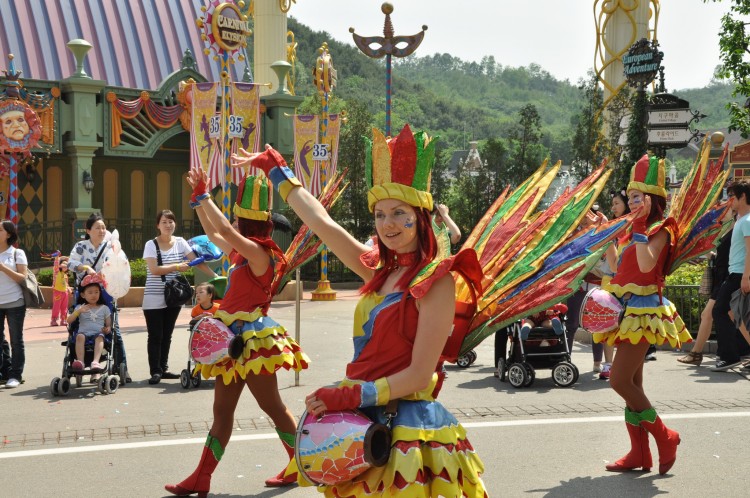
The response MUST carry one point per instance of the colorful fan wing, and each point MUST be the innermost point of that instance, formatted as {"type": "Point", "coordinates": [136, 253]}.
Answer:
{"type": "Point", "coordinates": [209, 341]}
{"type": "Point", "coordinates": [694, 208]}
{"type": "Point", "coordinates": [306, 244]}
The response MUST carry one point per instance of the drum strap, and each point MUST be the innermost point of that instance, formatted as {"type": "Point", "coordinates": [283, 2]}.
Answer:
{"type": "Point", "coordinates": [391, 410]}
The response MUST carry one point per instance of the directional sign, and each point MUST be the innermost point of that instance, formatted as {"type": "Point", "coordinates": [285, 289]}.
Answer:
{"type": "Point", "coordinates": [669, 136]}
{"type": "Point", "coordinates": [670, 117]}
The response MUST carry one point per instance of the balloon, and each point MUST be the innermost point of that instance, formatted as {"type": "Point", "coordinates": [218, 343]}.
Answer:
{"type": "Point", "coordinates": [204, 248]}
{"type": "Point", "coordinates": [116, 269]}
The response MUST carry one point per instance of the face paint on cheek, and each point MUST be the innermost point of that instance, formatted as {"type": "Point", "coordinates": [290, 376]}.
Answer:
{"type": "Point", "coordinates": [409, 222]}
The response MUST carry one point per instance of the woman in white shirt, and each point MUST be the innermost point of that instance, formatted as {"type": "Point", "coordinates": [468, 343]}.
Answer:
{"type": "Point", "coordinates": [13, 267]}
{"type": "Point", "coordinates": [160, 318]}
{"type": "Point", "coordinates": [87, 258]}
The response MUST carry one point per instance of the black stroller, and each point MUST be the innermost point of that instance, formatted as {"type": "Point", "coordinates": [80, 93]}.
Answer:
{"type": "Point", "coordinates": [542, 349]}
{"type": "Point", "coordinates": [189, 379]}
{"type": "Point", "coordinates": [111, 376]}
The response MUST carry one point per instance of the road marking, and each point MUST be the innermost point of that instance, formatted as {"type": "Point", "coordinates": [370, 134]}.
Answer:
{"type": "Point", "coordinates": [258, 437]}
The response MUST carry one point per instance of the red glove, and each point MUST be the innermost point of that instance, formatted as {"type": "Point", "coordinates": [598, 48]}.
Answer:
{"type": "Point", "coordinates": [340, 398]}
{"type": "Point", "coordinates": [268, 160]}
{"type": "Point", "coordinates": [200, 191]}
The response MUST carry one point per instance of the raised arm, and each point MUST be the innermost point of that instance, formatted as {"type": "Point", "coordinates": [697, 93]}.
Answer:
{"type": "Point", "coordinates": [219, 230]}
{"type": "Point", "coordinates": [449, 223]}
{"type": "Point", "coordinates": [308, 208]}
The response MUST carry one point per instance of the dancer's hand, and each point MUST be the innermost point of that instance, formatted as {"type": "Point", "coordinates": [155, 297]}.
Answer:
{"type": "Point", "coordinates": [198, 179]}
{"type": "Point", "coordinates": [334, 398]}
{"type": "Point", "coordinates": [266, 160]}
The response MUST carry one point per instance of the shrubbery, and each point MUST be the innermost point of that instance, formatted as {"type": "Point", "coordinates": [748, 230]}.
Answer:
{"type": "Point", "coordinates": [137, 275]}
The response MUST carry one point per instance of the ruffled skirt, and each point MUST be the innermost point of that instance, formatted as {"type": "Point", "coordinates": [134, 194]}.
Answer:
{"type": "Point", "coordinates": [268, 348]}
{"type": "Point", "coordinates": [430, 456]}
{"type": "Point", "coordinates": [648, 320]}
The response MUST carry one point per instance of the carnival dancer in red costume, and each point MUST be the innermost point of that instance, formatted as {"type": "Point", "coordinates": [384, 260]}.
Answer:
{"type": "Point", "coordinates": [401, 323]}
{"type": "Point", "coordinates": [255, 259]}
{"type": "Point", "coordinates": [640, 262]}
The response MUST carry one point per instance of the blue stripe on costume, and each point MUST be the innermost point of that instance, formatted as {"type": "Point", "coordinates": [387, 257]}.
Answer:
{"type": "Point", "coordinates": [428, 415]}
{"type": "Point", "coordinates": [262, 323]}
{"type": "Point", "coordinates": [361, 341]}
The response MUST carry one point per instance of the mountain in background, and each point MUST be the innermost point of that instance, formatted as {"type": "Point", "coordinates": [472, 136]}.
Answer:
{"type": "Point", "coordinates": [463, 101]}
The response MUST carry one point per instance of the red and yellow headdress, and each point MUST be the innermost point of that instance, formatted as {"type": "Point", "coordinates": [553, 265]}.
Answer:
{"type": "Point", "coordinates": [400, 168]}
{"type": "Point", "coordinates": [648, 176]}
{"type": "Point", "coordinates": [254, 198]}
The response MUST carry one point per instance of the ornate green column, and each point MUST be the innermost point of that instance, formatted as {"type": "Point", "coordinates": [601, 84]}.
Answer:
{"type": "Point", "coordinates": [81, 124]}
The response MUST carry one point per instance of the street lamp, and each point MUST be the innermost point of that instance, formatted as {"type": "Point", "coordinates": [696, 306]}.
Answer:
{"type": "Point", "coordinates": [88, 181]}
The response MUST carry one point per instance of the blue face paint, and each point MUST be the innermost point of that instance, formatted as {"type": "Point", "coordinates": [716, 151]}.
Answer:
{"type": "Point", "coordinates": [409, 224]}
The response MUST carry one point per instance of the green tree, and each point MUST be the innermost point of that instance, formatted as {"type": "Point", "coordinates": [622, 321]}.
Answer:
{"type": "Point", "coordinates": [618, 107]}
{"type": "Point", "coordinates": [494, 153]}
{"type": "Point", "coordinates": [351, 211]}
{"type": "Point", "coordinates": [587, 143]}
{"type": "Point", "coordinates": [734, 49]}
{"type": "Point", "coordinates": [524, 144]}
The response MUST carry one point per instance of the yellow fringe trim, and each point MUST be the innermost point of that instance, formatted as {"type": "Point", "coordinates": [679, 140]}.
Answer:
{"type": "Point", "coordinates": [238, 315]}
{"type": "Point", "coordinates": [638, 290]}
{"type": "Point", "coordinates": [651, 324]}
{"type": "Point", "coordinates": [272, 339]}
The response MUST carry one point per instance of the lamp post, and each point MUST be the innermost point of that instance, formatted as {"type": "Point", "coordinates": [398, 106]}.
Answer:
{"type": "Point", "coordinates": [386, 45]}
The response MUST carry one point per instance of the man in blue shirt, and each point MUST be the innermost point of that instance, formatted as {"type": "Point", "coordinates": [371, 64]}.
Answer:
{"type": "Point", "coordinates": [730, 343]}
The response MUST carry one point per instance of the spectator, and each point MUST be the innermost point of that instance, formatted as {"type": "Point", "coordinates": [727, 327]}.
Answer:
{"type": "Point", "coordinates": [160, 318]}
{"type": "Point", "coordinates": [730, 343]}
{"type": "Point", "coordinates": [720, 264]}
{"type": "Point", "coordinates": [87, 258]}
{"type": "Point", "coordinates": [13, 268]}
{"type": "Point", "coordinates": [441, 218]}
{"type": "Point", "coordinates": [60, 292]}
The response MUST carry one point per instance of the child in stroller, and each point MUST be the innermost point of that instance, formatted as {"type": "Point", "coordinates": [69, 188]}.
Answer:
{"type": "Point", "coordinates": [94, 322]}
{"type": "Point", "coordinates": [206, 304]}
{"type": "Point", "coordinates": [535, 347]}
{"type": "Point", "coordinates": [90, 341]}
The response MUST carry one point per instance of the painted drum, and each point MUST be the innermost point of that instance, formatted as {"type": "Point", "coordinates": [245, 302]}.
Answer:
{"type": "Point", "coordinates": [210, 341]}
{"type": "Point", "coordinates": [600, 311]}
{"type": "Point", "coordinates": [339, 445]}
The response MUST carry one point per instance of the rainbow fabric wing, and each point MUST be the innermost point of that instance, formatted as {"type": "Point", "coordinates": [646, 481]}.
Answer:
{"type": "Point", "coordinates": [695, 208]}
{"type": "Point", "coordinates": [306, 245]}
{"type": "Point", "coordinates": [532, 260]}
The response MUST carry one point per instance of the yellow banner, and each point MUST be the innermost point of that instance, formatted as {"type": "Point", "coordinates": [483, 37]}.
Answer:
{"type": "Point", "coordinates": [305, 137]}
{"type": "Point", "coordinates": [332, 139]}
{"type": "Point", "coordinates": [202, 144]}
{"type": "Point", "coordinates": [246, 106]}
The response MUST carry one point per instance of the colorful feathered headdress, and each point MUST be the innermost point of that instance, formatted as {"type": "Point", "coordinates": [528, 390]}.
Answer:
{"type": "Point", "coordinates": [648, 176]}
{"type": "Point", "coordinates": [400, 168]}
{"type": "Point", "coordinates": [254, 198]}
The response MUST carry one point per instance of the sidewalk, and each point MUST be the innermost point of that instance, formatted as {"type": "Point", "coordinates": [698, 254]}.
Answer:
{"type": "Point", "coordinates": [37, 328]}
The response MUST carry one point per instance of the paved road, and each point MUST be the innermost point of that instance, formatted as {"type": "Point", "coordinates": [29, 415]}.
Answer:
{"type": "Point", "coordinates": [538, 441]}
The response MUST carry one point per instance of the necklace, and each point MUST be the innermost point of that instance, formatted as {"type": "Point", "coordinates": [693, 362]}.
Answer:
{"type": "Point", "coordinates": [406, 259]}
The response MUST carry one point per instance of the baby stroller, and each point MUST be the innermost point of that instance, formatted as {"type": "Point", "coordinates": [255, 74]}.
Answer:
{"type": "Point", "coordinates": [542, 349]}
{"type": "Point", "coordinates": [189, 379]}
{"type": "Point", "coordinates": [110, 378]}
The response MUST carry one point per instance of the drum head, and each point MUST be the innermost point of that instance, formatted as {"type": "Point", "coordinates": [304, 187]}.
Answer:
{"type": "Point", "coordinates": [331, 449]}
{"type": "Point", "coordinates": [600, 312]}
{"type": "Point", "coordinates": [209, 341]}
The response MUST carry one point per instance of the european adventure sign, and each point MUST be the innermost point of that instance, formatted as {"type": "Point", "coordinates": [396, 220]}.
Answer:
{"type": "Point", "coordinates": [642, 62]}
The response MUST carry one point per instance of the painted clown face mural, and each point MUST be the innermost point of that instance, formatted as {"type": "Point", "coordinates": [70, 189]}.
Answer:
{"type": "Point", "coordinates": [15, 126]}
{"type": "Point", "coordinates": [20, 129]}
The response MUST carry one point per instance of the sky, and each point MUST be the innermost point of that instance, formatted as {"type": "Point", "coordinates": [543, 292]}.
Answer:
{"type": "Point", "coordinates": [559, 35]}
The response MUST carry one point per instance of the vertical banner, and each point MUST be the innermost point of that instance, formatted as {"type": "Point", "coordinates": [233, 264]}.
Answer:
{"type": "Point", "coordinates": [244, 126]}
{"type": "Point", "coordinates": [4, 186]}
{"type": "Point", "coordinates": [202, 130]}
{"type": "Point", "coordinates": [332, 139]}
{"type": "Point", "coordinates": [305, 137]}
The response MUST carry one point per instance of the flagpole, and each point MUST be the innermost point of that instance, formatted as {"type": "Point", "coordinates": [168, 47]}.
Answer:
{"type": "Point", "coordinates": [325, 80]}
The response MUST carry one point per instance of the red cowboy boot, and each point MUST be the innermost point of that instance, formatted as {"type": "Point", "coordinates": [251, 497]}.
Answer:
{"type": "Point", "coordinates": [666, 439]}
{"type": "Point", "coordinates": [279, 480]}
{"type": "Point", "coordinates": [639, 454]}
{"type": "Point", "coordinates": [200, 480]}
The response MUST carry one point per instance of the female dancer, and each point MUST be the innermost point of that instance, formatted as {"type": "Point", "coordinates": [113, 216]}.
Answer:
{"type": "Point", "coordinates": [404, 315]}
{"type": "Point", "coordinates": [639, 265]}
{"type": "Point", "coordinates": [267, 347]}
